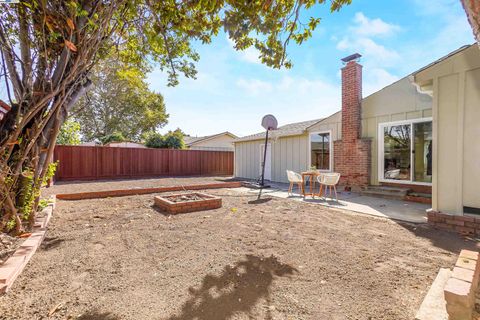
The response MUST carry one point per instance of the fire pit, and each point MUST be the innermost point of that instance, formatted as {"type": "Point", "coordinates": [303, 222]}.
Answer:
{"type": "Point", "coordinates": [187, 202]}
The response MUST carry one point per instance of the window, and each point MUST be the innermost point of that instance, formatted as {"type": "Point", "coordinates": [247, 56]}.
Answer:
{"type": "Point", "coordinates": [397, 146]}
{"type": "Point", "coordinates": [405, 151]}
{"type": "Point", "coordinates": [320, 150]}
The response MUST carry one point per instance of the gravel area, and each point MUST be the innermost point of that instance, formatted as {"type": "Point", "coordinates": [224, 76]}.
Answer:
{"type": "Point", "coordinates": [120, 258]}
{"type": "Point", "coordinates": [104, 185]}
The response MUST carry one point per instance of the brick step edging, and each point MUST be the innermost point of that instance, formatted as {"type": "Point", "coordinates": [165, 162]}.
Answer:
{"type": "Point", "coordinates": [13, 267]}
{"type": "Point", "coordinates": [464, 225]}
{"type": "Point", "coordinates": [132, 192]}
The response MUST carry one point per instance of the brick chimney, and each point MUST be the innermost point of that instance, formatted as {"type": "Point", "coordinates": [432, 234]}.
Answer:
{"type": "Point", "coordinates": [352, 154]}
{"type": "Point", "coordinates": [351, 98]}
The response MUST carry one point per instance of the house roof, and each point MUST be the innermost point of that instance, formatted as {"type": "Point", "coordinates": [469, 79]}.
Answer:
{"type": "Point", "coordinates": [189, 140]}
{"type": "Point", "coordinates": [4, 106]}
{"type": "Point", "coordinates": [445, 57]}
{"type": "Point", "coordinates": [126, 141]}
{"type": "Point", "coordinates": [297, 128]}
{"type": "Point", "coordinates": [291, 129]}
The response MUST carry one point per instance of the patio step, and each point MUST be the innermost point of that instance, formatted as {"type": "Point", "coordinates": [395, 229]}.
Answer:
{"type": "Point", "coordinates": [385, 192]}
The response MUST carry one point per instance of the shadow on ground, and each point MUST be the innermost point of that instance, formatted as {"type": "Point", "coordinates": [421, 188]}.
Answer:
{"type": "Point", "coordinates": [237, 290]}
{"type": "Point", "coordinates": [259, 201]}
{"type": "Point", "coordinates": [95, 315]}
{"type": "Point", "coordinates": [449, 241]}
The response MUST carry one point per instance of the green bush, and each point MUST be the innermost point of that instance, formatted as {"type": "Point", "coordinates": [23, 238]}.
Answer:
{"type": "Point", "coordinates": [171, 140]}
{"type": "Point", "coordinates": [154, 140]}
{"type": "Point", "coordinates": [114, 137]}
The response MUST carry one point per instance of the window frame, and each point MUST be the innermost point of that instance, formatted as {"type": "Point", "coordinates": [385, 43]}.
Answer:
{"type": "Point", "coordinates": [381, 151]}
{"type": "Point", "coordinates": [330, 145]}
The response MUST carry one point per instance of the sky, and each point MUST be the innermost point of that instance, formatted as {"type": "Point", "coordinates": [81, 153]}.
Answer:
{"type": "Point", "coordinates": [233, 90]}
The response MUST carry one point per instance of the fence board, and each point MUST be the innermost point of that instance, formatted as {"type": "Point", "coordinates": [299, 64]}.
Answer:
{"type": "Point", "coordinates": [93, 163]}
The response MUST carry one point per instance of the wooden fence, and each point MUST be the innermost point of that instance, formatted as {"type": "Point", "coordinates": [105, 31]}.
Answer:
{"type": "Point", "coordinates": [94, 163]}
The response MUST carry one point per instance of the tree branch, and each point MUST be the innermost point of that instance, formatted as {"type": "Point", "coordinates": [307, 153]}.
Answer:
{"type": "Point", "coordinates": [9, 61]}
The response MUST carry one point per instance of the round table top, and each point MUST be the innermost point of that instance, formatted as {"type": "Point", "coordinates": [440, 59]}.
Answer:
{"type": "Point", "coordinates": [311, 172]}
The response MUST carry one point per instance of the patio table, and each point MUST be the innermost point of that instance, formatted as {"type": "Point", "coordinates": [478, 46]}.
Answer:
{"type": "Point", "coordinates": [312, 174]}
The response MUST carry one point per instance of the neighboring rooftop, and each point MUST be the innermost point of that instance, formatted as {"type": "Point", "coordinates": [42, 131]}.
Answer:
{"type": "Point", "coordinates": [189, 140]}
{"type": "Point", "coordinates": [291, 129]}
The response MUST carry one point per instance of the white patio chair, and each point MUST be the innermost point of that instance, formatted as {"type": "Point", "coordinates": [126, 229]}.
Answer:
{"type": "Point", "coordinates": [294, 178]}
{"type": "Point", "coordinates": [329, 180]}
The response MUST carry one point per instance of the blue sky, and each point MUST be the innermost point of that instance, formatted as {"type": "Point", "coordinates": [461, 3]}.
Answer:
{"type": "Point", "coordinates": [233, 90]}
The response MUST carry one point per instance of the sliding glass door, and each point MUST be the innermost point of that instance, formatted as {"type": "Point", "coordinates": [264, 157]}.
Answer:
{"type": "Point", "coordinates": [422, 152]}
{"type": "Point", "coordinates": [405, 151]}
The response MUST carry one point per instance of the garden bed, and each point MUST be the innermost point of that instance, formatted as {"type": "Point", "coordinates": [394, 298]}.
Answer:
{"type": "Point", "coordinates": [119, 258]}
{"type": "Point", "coordinates": [187, 202]}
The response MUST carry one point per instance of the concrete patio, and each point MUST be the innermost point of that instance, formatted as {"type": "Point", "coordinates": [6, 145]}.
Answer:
{"type": "Point", "coordinates": [352, 201]}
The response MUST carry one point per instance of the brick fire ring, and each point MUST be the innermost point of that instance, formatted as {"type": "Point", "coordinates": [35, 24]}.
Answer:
{"type": "Point", "coordinates": [182, 202]}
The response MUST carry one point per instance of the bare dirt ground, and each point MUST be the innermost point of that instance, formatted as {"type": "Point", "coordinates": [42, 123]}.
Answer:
{"type": "Point", "coordinates": [104, 185]}
{"type": "Point", "coordinates": [120, 258]}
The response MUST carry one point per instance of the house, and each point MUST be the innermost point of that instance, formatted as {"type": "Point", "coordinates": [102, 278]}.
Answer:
{"type": "Point", "coordinates": [125, 144]}
{"type": "Point", "coordinates": [216, 142]}
{"type": "Point", "coordinates": [454, 84]}
{"type": "Point", "coordinates": [419, 132]}
{"type": "Point", "coordinates": [4, 109]}
{"type": "Point", "coordinates": [89, 144]}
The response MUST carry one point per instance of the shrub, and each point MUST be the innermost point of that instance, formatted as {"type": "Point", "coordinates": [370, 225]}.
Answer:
{"type": "Point", "coordinates": [114, 137]}
{"type": "Point", "coordinates": [154, 140]}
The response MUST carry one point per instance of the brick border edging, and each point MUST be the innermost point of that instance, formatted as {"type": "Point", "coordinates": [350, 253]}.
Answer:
{"type": "Point", "coordinates": [464, 225]}
{"type": "Point", "coordinates": [460, 289]}
{"type": "Point", "coordinates": [208, 202]}
{"type": "Point", "coordinates": [13, 267]}
{"type": "Point", "coordinates": [131, 192]}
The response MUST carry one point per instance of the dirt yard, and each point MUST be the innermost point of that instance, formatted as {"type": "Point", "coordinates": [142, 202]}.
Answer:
{"type": "Point", "coordinates": [104, 185]}
{"type": "Point", "coordinates": [120, 258]}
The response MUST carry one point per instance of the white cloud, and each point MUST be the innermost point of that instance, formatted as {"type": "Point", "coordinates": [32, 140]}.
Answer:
{"type": "Point", "coordinates": [373, 27]}
{"type": "Point", "coordinates": [239, 108]}
{"type": "Point", "coordinates": [286, 84]}
{"type": "Point", "coordinates": [369, 48]}
{"type": "Point", "coordinates": [361, 41]}
{"type": "Point", "coordinates": [254, 86]}
{"type": "Point", "coordinates": [293, 98]}
{"type": "Point", "coordinates": [344, 44]}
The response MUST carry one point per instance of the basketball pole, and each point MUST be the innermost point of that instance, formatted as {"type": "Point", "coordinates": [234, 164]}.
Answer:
{"type": "Point", "coordinates": [264, 158]}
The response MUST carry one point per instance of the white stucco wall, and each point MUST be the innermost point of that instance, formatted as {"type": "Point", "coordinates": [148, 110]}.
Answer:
{"type": "Point", "coordinates": [396, 102]}
{"type": "Point", "coordinates": [455, 83]}
{"type": "Point", "coordinates": [288, 153]}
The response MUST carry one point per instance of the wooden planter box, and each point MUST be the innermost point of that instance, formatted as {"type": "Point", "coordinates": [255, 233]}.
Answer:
{"type": "Point", "coordinates": [182, 203]}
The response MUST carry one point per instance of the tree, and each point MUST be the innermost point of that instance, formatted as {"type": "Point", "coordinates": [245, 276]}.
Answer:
{"type": "Point", "coordinates": [174, 140]}
{"type": "Point", "coordinates": [113, 137]}
{"type": "Point", "coordinates": [472, 9]}
{"type": "Point", "coordinates": [69, 133]}
{"type": "Point", "coordinates": [171, 140]}
{"type": "Point", "coordinates": [48, 49]}
{"type": "Point", "coordinates": [119, 101]}
{"type": "Point", "coordinates": [154, 140]}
